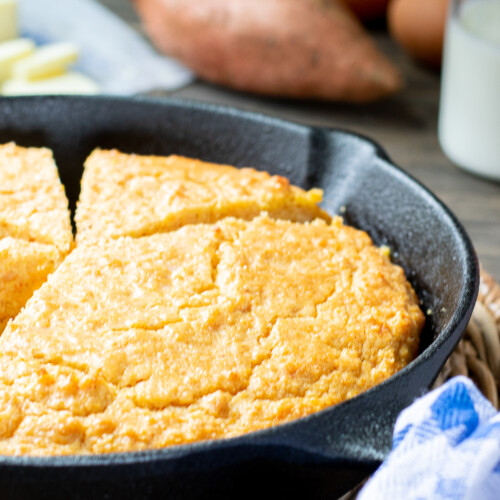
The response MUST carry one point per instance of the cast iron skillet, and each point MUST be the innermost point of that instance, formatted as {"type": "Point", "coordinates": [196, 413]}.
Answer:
{"type": "Point", "coordinates": [322, 455]}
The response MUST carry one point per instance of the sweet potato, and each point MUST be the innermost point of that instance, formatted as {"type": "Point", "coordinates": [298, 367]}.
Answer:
{"type": "Point", "coordinates": [291, 48]}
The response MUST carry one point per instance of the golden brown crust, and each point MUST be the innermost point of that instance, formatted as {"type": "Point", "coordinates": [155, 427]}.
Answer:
{"type": "Point", "coordinates": [35, 230]}
{"type": "Point", "coordinates": [24, 267]}
{"type": "Point", "coordinates": [33, 205]}
{"type": "Point", "coordinates": [206, 332]}
{"type": "Point", "coordinates": [132, 195]}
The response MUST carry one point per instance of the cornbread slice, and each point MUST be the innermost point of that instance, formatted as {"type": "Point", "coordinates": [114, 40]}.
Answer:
{"type": "Point", "coordinates": [131, 195]}
{"type": "Point", "coordinates": [35, 230]}
{"type": "Point", "coordinates": [33, 205]}
{"type": "Point", "coordinates": [205, 332]}
{"type": "Point", "coordinates": [24, 266]}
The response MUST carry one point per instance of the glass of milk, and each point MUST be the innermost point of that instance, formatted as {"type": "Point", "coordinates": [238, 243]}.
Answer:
{"type": "Point", "coordinates": [469, 113]}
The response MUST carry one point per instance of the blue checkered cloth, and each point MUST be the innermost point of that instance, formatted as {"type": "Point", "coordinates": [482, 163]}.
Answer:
{"type": "Point", "coordinates": [446, 445]}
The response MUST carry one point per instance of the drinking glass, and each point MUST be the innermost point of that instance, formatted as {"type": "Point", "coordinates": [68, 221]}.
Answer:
{"type": "Point", "coordinates": [469, 113]}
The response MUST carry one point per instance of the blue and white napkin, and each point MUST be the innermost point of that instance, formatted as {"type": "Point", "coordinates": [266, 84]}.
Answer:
{"type": "Point", "coordinates": [446, 445]}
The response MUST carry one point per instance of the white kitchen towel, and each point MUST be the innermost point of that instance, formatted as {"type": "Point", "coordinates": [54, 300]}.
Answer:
{"type": "Point", "coordinates": [112, 53]}
{"type": "Point", "coordinates": [446, 445]}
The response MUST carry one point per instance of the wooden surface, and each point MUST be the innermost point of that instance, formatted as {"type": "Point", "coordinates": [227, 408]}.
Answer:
{"type": "Point", "coordinates": [405, 125]}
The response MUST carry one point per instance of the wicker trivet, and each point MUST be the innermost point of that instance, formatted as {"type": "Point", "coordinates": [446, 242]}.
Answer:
{"type": "Point", "coordinates": [477, 356]}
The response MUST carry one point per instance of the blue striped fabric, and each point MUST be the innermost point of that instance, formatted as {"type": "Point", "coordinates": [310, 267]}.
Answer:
{"type": "Point", "coordinates": [446, 445]}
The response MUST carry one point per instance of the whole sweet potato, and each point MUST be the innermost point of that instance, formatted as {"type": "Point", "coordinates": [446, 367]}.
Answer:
{"type": "Point", "coordinates": [291, 48]}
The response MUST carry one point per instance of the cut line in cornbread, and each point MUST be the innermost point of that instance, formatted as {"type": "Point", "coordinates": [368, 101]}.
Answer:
{"type": "Point", "coordinates": [132, 195]}
{"type": "Point", "coordinates": [206, 332]}
{"type": "Point", "coordinates": [35, 229]}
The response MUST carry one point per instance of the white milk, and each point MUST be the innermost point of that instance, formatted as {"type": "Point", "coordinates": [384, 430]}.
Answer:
{"type": "Point", "coordinates": [469, 115]}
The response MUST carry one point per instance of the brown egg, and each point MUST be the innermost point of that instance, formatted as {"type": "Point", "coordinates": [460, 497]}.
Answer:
{"type": "Point", "coordinates": [418, 26]}
{"type": "Point", "coordinates": [368, 10]}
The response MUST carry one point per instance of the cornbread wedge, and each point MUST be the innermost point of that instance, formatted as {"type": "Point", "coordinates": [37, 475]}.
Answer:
{"type": "Point", "coordinates": [35, 230]}
{"type": "Point", "coordinates": [24, 267]}
{"type": "Point", "coordinates": [131, 195]}
{"type": "Point", "coordinates": [205, 332]}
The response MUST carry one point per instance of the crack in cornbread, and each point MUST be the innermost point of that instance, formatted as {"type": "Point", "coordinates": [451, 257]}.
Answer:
{"type": "Point", "coordinates": [205, 332]}
{"type": "Point", "coordinates": [132, 195]}
{"type": "Point", "coordinates": [24, 267]}
{"type": "Point", "coordinates": [35, 230]}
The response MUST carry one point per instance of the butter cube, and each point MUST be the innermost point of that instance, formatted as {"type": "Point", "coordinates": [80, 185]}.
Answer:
{"type": "Point", "coordinates": [69, 83]}
{"type": "Point", "coordinates": [11, 52]}
{"type": "Point", "coordinates": [8, 20]}
{"type": "Point", "coordinates": [47, 61]}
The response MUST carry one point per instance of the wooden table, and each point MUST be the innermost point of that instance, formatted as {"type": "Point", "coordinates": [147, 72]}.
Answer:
{"type": "Point", "coordinates": [405, 125]}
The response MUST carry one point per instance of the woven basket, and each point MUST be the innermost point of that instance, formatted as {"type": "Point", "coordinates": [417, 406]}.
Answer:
{"type": "Point", "coordinates": [477, 356]}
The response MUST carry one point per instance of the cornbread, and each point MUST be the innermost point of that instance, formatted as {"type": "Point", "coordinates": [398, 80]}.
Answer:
{"type": "Point", "coordinates": [209, 331]}
{"type": "Point", "coordinates": [35, 230]}
{"type": "Point", "coordinates": [132, 195]}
